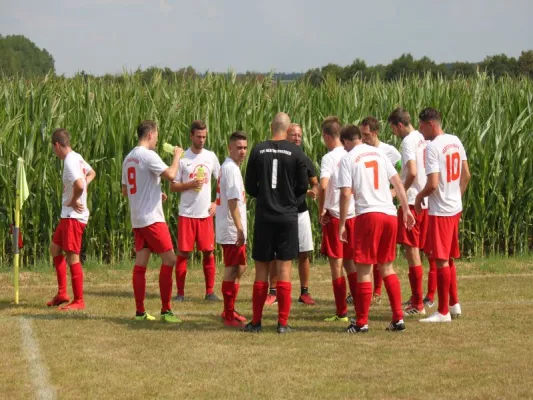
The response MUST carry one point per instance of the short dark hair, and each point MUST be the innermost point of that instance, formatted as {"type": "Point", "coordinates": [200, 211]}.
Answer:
{"type": "Point", "coordinates": [331, 126]}
{"type": "Point", "coordinates": [237, 135]}
{"type": "Point", "coordinates": [399, 115]}
{"type": "Point", "coordinates": [145, 127]}
{"type": "Point", "coordinates": [372, 123]}
{"type": "Point", "coordinates": [430, 114]}
{"type": "Point", "coordinates": [197, 125]}
{"type": "Point", "coordinates": [350, 132]}
{"type": "Point", "coordinates": [61, 136]}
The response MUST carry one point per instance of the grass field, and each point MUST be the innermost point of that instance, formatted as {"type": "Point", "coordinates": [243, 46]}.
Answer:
{"type": "Point", "coordinates": [102, 353]}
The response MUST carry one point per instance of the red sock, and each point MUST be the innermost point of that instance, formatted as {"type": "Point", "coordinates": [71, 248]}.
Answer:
{"type": "Point", "coordinates": [76, 274]}
{"type": "Point", "coordinates": [237, 287]}
{"type": "Point", "coordinates": [352, 282]}
{"type": "Point", "coordinates": [209, 273]}
{"type": "Point", "coordinates": [432, 279]}
{"type": "Point", "coordinates": [165, 286]}
{"type": "Point", "coordinates": [139, 287]}
{"type": "Point", "coordinates": [284, 300]}
{"type": "Point", "coordinates": [377, 280]}
{"type": "Point", "coordinates": [454, 299]}
{"type": "Point", "coordinates": [181, 273]}
{"type": "Point", "coordinates": [339, 291]}
{"type": "Point", "coordinates": [392, 285]}
{"type": "Point", "coordinates": [228, 292]}
{"type": "Point", "coordinates": [61, 274]}
{"type": "Point", "coordinates": [415, 279]}
{"type": "Point", "coordinates": [259, 296]}
{"type": "Point", "coordinates": [364, 298]}
{"type": "Point", "coordinates": [443, 288]}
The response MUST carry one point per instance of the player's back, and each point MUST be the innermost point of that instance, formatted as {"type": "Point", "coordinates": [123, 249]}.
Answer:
{"type": "Point", "coordinates": [414, 149]}
{"type": "Point", "coordinates": [391, 152]}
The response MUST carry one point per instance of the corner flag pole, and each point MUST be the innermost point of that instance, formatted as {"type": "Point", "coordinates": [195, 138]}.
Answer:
{"type": "Point", "coordinates": [22, 193]}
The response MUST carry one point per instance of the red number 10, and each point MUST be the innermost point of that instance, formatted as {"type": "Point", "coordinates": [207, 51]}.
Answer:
{"type": "Point", "coordinates": [132, 180]}
{"type": "Point", "coordinates": [452, 167]}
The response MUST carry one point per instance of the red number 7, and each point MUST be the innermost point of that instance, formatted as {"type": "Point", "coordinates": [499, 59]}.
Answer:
{"type": "Point", "coordinates": [374, 165]}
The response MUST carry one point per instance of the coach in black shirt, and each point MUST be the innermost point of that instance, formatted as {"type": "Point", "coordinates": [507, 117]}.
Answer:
{"type": "Point", "coordinates": [276, 175]}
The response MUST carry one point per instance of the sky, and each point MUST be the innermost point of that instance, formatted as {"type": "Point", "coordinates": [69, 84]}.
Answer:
{"type": "Point", "coordinates": [107, 36]}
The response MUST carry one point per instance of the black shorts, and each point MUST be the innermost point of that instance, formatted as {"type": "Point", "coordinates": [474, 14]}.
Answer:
{"type": "Point", "coordinates": [275, 241]}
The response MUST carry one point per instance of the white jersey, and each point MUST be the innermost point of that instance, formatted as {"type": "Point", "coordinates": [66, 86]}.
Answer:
{"type": "Point", "coordinates": [367, 171]}
{"type": "Point", "coordinates": [445, 155]}
{"type": "Point", "coordinates": [391, 152]}
{"type": "Point", "coordinates": [74, 168]}
{"type": "Point", "coordinates": [141, 173]}
{"type": "Point", "coordinates": [329, 168]}
{"type": "Point", "coordinates": [414, 149]}
{"type": "Point", "coordinates": [195, 204]}
{"type": "Point", "coordinates": [230, 186]}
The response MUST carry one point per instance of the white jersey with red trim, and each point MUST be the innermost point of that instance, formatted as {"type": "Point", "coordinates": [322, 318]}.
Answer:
{"type": "Point", "coordinates": [74, 168]}
{"type": "Point", "coordinates": [195, 204]}
{"type": "Point", "coordinates": [414, 149]}
{"type": "Point", "coordinates": [329, 168]}
{"type": "Point", "coordinates": [391, 152]}
{"type": "Point", "coordinates": [141, 173]}
{"type": "Point", "coordinates": [230, 186]}
{"type": "Point", "coordinates": [367, 171]}
{"type": "Point", "coordinates": [445, 155]}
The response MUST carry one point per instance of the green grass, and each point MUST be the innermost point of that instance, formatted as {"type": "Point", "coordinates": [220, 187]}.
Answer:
{"type": "Point", "coordinates": [103, 353]}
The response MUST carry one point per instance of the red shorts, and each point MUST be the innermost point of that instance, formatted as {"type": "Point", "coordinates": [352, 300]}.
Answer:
{"type": "Point", "coordinates": [68, 235]}
{"type": "Point", "coordinates": [375, 242]}
{"type": "Point", "coordinates": [415, 237]}
{"type": "Point", "coordinates": [331, 243]}
{"type": "Point", "coordinates": [442, 241]}
{"type": "Point", "coordinates": [199, 230]}
{"type": "Point", "coordinates": [234, 255]}
{"type": "Point", "coordinates": [155, 237]}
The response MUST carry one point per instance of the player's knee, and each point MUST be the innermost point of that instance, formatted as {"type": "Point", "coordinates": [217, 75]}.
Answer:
{"type": "Point", "coordinates": [55, 250]}
{"type": "Point", "coordinates": [169, 258]}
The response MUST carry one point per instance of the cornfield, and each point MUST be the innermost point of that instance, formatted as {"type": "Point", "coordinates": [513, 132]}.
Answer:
{"type": "Point", "coordinates": [493, 118]}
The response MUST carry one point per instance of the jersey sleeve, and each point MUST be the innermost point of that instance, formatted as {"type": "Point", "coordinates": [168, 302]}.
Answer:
{"type": "Point", "coordinates": [87, 167]}
{"type": "Point", "coordinates": [345, 175]}
{"type": "Point", "coordinates": [311, 172]}
{"type": "Point", "coordinates": [302, 181]}
{"type": "Point", "coordinates": [408, 151]}
{"type": "Point", "coordinates": [391, 171]}
{"type": "Point", "coordinates": [155, 164]}
{"type": "Point", "coordinates": [462, 152]}
{"type": "Point", "coordinates": [251, 181]}
{"type": "Point", "coordinates": [216, 166]}
{"type": "Point", "coordinates": [395, 155]}
{"type": "Point", "coordinates": [432, 159]}
{"type": "Point", "coordinates": [230, 183]}
{"type": "Point", "coordinates": [326, 167]}
{"type": "Point", "coordinates": [124, 177]}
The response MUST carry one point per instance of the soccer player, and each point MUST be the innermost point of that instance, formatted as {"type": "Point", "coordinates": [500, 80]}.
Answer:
{"type": "Point", "coordinates": [77, 175]}
{"type": "Point", "coordinates": [365, 175]}
{"type": "Point", "coordinates": [195, 221]}
{"type": "Point", "coordinates": [339, 254]}
{"type": "Point", "coordinates": [370, 130]}
{"type": "Point", "coordinates": [448, 175]}
{"type": "Point", "coordinates": [414, 179]}
{"type": "Point", "coordinates": [276, 175]}
{"type": "Point", "coordinates": [231, 225]}
{"type": "Point", "coordinates": [305, 235]}
{"type": "Point", "coordinates": [142, 171]}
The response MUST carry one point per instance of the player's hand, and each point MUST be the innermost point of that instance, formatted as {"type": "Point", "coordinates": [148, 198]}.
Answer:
{"type": "Point", "coordinates": [324, 218]}
{"type": "Point", "coordinates": [196, 184]}
{"type": "Point", "coordinates": [409, 219]}
{"type": "Point", "coordinates": [178, 151]}
{"type": "Point", "coordinates": [240, 238]}
{"type": "Point", "coordinates": [311, 194]}
{"type": "Point", "coordinates": [76, 206]}
{"type": "Point", "coordinates": [418, 204]}
{"type": "Point", "coordinates": [212, 209]}
{"type": "Point", "coordinates": [342, 234]}
{"type": "Point", "coordinates": [164, 197]}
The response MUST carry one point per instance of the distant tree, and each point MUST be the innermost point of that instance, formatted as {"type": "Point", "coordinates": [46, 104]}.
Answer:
{"type": "Point", "coordinates": [525, 63]}
{"type": "Point", "coordinates": [404, 65]}
{"type": "Point", "coordinates": [314, 77]}
{"type": "Point", "coordinates": [357, 67]}
{"type": "Point", "coordinates": [333, 70]}
{"type": "Point", "coordinates": [462, 69]}
{"type": "Point", "coordinates": [20, 56]}
{"type": "Point", "coordinates": [500, 65]}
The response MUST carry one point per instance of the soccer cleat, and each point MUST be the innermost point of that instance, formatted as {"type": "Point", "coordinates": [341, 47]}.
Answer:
{"type": "Point", "coordinates": [428, 303]}
{"type": "Point", "coordinates": [144, 317]}
{"type": "Point", "coordinates": [58, 300]}
{"type": "Point", "coordinates": [179, 298]}
{"type": "Point", "coordinates": [353, 328]}
{"type": "Point", "coordinates": [306, 299]}
{"type": "Point", "coordinates": [336, 318]}
{"type": "Point", "coordinates": [455, 311]}
{"type": "Point", "coordinates": [271, 300]}
{"type": "Point", "coordinates": [412, 310]}
{"type": "Point", "coordinates": [396, 326]}
{"type": "Point", "coordinates": [75, 305]}
{"type": "Point", "coordinates": [233, 324]}
{"type": "Point", "coordinates": [250, 327]}
{"type": "Point", "coordinates": [170, 318]}
{"type": "Point", "coordinates": [284, 329]}
{"type": "Point", "coordinates": [376, 299]}
{"type": "Point", "coordinates": [349, 298]}
{"type": "Point", "coordinates": [212, 297]}
{"type": "Point", "coordinates": [236, 316]}
{"type": "Point", "coordinates": [437, 317]}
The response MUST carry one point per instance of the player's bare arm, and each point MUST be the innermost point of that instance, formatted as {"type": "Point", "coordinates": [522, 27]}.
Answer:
{"type": "Point", "coordinates": [124, 190]}
{"type": "Point", "coordinates": [465, 176]}
{"type": "Point", "coordinates": [408, 217]}
{"type": "Point", "coordinates": [344, 204]}
{"type": "Point", "coordinates": [90, 176]}
{"type": "Point", "coordinates": [233, 205]}
{"type": "Point", "coordinates": [431, 185]}
{"type": "Point", "coordinates": [411, 174]}
{"type": "Point", "coordinates": [77, 191]}
{"type": "Point", "coordinates": [323, 218]}
{"type": "Point", "coordinates": [313, 192]}
{"type": "Point", "coordinates": [170, 173]}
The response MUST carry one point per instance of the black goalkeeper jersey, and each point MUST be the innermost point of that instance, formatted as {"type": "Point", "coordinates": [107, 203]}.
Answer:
{"type": "Point", "coordinates": [276, 175]}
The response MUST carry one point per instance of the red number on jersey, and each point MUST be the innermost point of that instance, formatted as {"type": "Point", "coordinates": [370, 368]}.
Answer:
{"type": "Point", "coordinates": [374, 166]}
{"type": "Point", "coordinates": [453, 169]}
{"type": "Point", "coordinates": [132, 180]}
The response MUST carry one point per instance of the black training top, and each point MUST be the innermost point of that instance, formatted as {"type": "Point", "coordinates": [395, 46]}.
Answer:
{"type": "Point", "coordinates": [276, 175]}
{"type": "Point", "coordinates": [302, 200]}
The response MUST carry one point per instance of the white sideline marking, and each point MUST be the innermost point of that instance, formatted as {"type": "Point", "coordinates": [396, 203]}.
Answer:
{"type": "Point", "coordinates": [38, 370]}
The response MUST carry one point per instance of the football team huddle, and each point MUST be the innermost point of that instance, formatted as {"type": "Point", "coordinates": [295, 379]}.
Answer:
{"type": "Point", "coordinates": [356, 190]}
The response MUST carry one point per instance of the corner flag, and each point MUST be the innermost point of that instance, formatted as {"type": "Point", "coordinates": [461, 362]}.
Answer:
{"type": "Point", "coordinates": [22, 194]}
